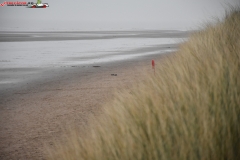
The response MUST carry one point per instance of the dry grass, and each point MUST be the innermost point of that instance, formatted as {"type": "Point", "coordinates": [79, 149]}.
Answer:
{"type": "Point", "coordinates": [189, 110]}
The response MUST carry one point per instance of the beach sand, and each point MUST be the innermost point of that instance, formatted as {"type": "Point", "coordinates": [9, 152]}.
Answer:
{"type": "Point", "coordinates": [35, 115]}
{"type": "Point", "coordinates": [39, 105]}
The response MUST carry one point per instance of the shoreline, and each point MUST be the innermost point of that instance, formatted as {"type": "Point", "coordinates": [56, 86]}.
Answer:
{"type": "Point", "coordinates": [33, 114]}
{"type": "Point", "coordinates": [34, 111]}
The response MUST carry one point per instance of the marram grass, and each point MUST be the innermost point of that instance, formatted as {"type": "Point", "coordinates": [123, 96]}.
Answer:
{"type": "Point", "coordinates": [189, 110]}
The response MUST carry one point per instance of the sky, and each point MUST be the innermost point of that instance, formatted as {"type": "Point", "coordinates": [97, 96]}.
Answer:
{"type": "Point", "coordinates": [113, 14]}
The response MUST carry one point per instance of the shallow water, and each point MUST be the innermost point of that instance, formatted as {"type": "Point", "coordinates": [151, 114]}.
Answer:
{"type": "Point", "coordinates": [23, 54]}
{"type": "Point", "coordinates": [61, 53]}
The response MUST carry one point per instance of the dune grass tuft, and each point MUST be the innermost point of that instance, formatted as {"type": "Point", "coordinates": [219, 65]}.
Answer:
{"type": "Point", "coordinates": [189, 110]}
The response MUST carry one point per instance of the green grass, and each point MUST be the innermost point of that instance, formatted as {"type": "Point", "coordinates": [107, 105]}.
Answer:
{"type": "Point", "coordinates": [189, 110]}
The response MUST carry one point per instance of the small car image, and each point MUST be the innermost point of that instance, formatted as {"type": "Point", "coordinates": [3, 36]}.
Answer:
{"type": "Point", "coordinates": [39, 4]}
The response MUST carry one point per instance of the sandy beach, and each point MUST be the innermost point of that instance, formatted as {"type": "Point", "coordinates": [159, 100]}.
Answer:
{"type": "Point", "coordinates": [35, 110]}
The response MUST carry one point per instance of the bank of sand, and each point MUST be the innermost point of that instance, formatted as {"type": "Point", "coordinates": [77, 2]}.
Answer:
{"type": "Point", "coordinates": [36, 114]}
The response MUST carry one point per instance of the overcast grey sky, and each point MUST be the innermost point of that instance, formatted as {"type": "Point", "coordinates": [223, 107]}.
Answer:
{"type": "Point", "coordinates": [112, 14]}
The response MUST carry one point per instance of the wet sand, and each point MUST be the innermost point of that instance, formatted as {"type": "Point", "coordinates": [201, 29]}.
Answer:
{"type": "Point", "coordinates": [36, 112]}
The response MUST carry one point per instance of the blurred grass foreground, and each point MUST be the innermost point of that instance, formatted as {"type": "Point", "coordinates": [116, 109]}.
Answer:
{"type": "Point", "coordinates": [189, 110]}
